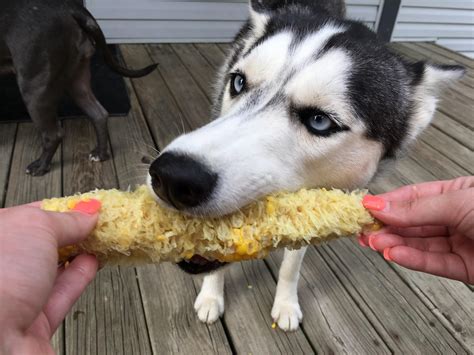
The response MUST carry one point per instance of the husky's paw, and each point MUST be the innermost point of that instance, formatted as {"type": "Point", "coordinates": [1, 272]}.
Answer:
{"type": "Point", "coordinates": [209, 307]}
{"type": "Point", "coordinates": [287, 315]}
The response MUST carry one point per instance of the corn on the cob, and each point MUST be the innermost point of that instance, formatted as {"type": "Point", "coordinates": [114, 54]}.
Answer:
{"type": "Point", "coordinates": [133, 228]}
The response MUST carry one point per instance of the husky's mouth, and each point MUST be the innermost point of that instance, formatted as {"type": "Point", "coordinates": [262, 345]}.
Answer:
{"type": "Point", "coordinates": [198, 265]}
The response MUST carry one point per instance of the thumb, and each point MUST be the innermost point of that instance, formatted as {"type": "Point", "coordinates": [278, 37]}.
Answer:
{"type": "Point", "coordinates": [73, 227]}
{"type": "Point", "coordinates": [448, 209]}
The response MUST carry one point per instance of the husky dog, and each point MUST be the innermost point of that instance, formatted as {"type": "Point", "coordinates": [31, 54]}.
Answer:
{"type": "Point", "coordinates": [306, 98]}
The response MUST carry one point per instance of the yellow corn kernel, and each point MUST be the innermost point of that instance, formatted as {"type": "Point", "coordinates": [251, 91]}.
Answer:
{"type": "Point", "coordinates": [188, 255]}
{"type": "Point", "coordinates": [71, 204]}
{"type": "Point", "coordinates": [270, 206]}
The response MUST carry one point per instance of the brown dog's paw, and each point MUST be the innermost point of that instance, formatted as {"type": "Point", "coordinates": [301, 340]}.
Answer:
{"type": "Point", "coordinates": [37, 168]}
{"type": "Point", "coordinates": [96, 155]}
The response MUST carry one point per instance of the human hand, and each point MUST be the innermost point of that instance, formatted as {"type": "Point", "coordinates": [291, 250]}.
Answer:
{"type": "Point", "coordinates": [36, 295]}
{"type": "Point", "coordinates": [429, 227]}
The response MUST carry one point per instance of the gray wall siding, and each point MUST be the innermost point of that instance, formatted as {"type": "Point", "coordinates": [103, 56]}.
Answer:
{"type": "Point", "coordinates": [138, 21]}
{"type": "Point", "coordinates": [449, 23]}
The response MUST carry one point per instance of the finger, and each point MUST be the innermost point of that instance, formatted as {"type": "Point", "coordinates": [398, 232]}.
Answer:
{"type": "Point", "coordinates": [60, 271]}
{"type": "Point", "coordinates": [34, 204]}
{"type": "Point", "coordinates": [411, 192]}
{"type": "Point", "coordinates": [68, 288]}
{"type": "Point", "coordinates": [442, 210]}
{"type": "Point", "coordinates": [363, 240]}
{"type": "Point", "coordinates": [419, 232]}
{"type": "Point", "coordinates": [432, 188]}
{"type": "Point", "coordinates": [445, 265]}
{"type": "Point", "coordinates": [380, 242]}
{"type": "Point", "coordinates": [71, 227]}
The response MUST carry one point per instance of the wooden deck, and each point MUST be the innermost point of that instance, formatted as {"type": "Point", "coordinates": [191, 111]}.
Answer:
{"type": "Point", "coordinates": [353, 300]}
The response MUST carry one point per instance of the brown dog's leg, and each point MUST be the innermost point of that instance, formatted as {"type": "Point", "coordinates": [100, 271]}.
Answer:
{"type": "Point", "coordinates": [43, 68]}
{"type": "Point", "coordinates": [41, 90]}
{"type": "Point", "coordinates": [42, 107]}
{"type": "Point", "coordinates": [81, 92]}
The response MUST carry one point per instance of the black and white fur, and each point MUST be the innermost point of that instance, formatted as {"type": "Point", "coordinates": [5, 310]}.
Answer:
{"type": "Point", "coordinates": [305, 99]}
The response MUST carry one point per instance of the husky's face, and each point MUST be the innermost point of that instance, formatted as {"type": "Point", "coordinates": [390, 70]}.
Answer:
{"type": "Point", "coordinates": [305, 100]}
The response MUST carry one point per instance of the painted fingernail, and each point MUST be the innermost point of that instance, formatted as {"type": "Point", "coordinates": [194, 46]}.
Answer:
{"type": "Point", "coordinates": [386, 254]}
{"type": "Point", "coordinates": [374, 203]}
{"type": "Point", "coordinates": [371, 242]}
{"type": "Point", "coordinates": [362, 242]}
{"type": "Point", "coordinates": [90, 206]}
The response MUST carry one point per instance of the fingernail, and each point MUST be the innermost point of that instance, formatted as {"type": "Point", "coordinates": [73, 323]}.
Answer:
{"type": "Point", "coordinates": [371, 242]}
{"type": "Point", "coordinates": [362, 242]}
{"type": "Point", "coordinates": [90, 206]}
{"type": "Point", "coordinates": [374, 203]}
{"type": "Point", "coordinates": [386, 254]}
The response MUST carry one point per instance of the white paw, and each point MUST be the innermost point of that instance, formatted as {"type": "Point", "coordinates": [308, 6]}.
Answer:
{"type": "Point", "coordinates": [287, 315]}
{"type": "Point", "coordinates": [94, 158]}
{"type": "Point", "coordinates": [209, 307]}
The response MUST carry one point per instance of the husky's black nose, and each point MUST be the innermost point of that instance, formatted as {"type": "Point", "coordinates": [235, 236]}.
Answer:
{"type": "Point", "coordinates": [181, 180]}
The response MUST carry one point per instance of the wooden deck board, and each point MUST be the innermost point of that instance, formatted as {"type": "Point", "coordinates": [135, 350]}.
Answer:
{"type": "Point", "coordinates": [108, 317]}
{"type": "Point", "coordinates": [129, 140]}
{"type": "Point", "coordinates": [171, 323]}
{"type": "Point", "coordinates": [198, 66]}
{"type": "Point", "coordinates": [448, 54]}
{"type": "Point", "coordinates": [353, 301]}
{"type": "Point", "coordinates": [442, 167]}
{"type": "Point", "coordinates": [212, 53]}
{"type": "Point", "coordinates": [23, 188]}
{"type": "Point", "coordinates": [247, 314]}
{"type": "Point", "coordinates": [464, 135]}
{"type": "Point", "coordinates": [249, 291]}
{"type": "Point", "coordinates": [79, 173]}
{"type": "Point", "coordinates": [168, 297]}
{"type": "Point", "coordinates": [7, 141]}
{"type": "Point", "coordinates": [450, 148]}
{"type": "Point", "coordinates": [333, 321]}
{"type": "Point", "coordinates": [400, 316]}
{"type": "Point", "coordinates": [192, 102]}
{"type": "Point", "coordinates": [451, 301]}
{"type": "Point", "coordinates": [157, 102]}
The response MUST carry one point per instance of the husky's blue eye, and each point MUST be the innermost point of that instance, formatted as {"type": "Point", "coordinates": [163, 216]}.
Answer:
{"type": "Point", "coordinates": [237, 84]}
{"type": "Point", "coordinates": [318, 122]}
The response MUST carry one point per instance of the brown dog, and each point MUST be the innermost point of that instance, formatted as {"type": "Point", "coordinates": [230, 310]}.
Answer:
{"type": "Point", "coordinates": [48, 44]}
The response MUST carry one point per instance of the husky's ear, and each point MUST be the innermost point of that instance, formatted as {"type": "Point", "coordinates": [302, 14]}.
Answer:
{"type": "Point", "coordinates": [436, 77]}
{"type": "Point", "coordinates": [428, 81]}
{"type": "Point", "coordinates": [259, 14]}
{"type": "Point", "coordinates": [266, 6]}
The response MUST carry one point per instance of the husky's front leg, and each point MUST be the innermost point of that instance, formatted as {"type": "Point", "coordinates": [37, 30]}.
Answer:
{"type": "Point", "coordinates": [286, 310]}
{"type": "Point", "coordinates": [209, 304]}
